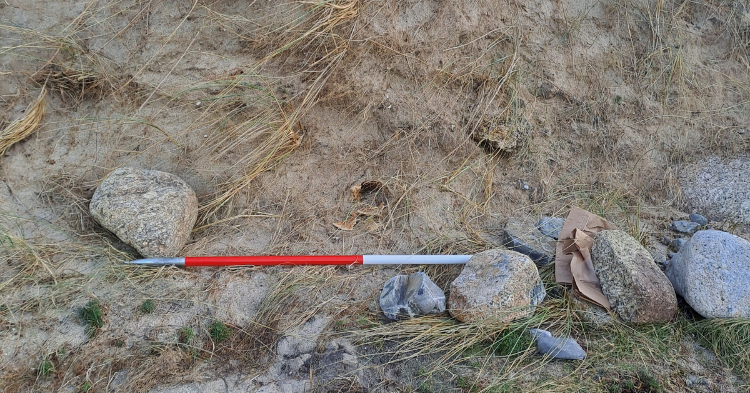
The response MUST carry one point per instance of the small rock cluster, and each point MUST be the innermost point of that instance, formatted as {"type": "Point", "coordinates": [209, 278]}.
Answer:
{"type": "Point", "coordinates": [498, 284]}
{"type": "Point", "coordinates": [710, 270]}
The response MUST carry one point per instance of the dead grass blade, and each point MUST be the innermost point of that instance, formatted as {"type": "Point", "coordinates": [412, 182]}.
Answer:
{"type": "Point", "coordinates": [21, 128]}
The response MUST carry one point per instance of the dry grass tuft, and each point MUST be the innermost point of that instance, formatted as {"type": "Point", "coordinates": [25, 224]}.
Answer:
{"type": "Point", "coordinates": [728, 339]}
{"type": "Point", "coordinates": [73, 85]}
{"type": "Point", "coordinates": [274, 144]}
{"type": "Point", "coordinates": [21, 128]}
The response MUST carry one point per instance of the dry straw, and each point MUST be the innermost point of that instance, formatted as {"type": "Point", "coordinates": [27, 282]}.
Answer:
{"type": "Point", "coordinates": [21, 128]}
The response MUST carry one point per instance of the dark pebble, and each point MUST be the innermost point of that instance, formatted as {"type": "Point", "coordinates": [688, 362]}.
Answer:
{"type": "Point", "coordinates": [698, 219]}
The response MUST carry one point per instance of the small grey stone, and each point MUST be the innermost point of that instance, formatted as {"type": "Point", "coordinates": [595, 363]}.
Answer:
{"type": "Point", "coordinates": [524, 237]}
{"type": "Point", "coordinates": [591, 313]}
{"type": "Point", "coordinates": [152, 211]}
{"type": "Point", "coordinates": [677, 243]}
{"type": "Point", "coordinates": [550, 226]}
{"type": "Point", "coordinates": [497, 284]}
{"type": "Point", "coordinates": [688, 227]}
{"type": "Point", "coordinates": [712, 272]}
{"type": "Point", "coordinates": [634, 286]}
{"type": "Point", "coordinates": [698, 219]}
{"type": "Point", "coordinates": [659, 258]}
{"type": "Point", "coordinates": [558, 348]}
{"type": "Point", "coordinates": [665, 240]}
{"type": "Point", "coordinates": [411, 296]}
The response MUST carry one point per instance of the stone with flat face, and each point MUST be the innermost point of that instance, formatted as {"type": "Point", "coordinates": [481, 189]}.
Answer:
{"type": "Point", "coordinates": [634, 285]}
{"type": "Point", "coordinates": [523, 236]}
{"type": "Point", "coordinates": [410, 296]}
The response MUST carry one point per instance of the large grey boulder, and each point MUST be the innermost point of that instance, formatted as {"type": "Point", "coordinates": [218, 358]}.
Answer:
{"type": "Point", "coordinates": [150, 210]}
{"type": "Point", "coordinates": [718, 189]}
{"type": "Point", "coordinates": [411, 296]}
{"type": "Point", "coordinates": [497, 284]}
{"type": "Point", "coordinates": [634, 285]}
{"type": "Point", "coordinates": [525, 237]}
{"type": "Point", "coordinates": [712, 273]}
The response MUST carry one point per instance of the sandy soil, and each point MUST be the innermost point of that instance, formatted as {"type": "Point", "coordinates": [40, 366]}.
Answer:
{"type": "Point", "coordinates": [273, 111]}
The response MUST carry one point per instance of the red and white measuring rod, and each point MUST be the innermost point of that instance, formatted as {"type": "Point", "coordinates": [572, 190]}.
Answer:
{"type": "Point", "coordinates": [307, 260]}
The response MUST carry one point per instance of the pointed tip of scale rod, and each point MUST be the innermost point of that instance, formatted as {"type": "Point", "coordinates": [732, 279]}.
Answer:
{"type": "Point", "coordinates": [158, 262]}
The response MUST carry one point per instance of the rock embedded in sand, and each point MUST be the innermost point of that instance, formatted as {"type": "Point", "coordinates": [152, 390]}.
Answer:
{"type": "Point", "coordinates": [523, 236]}
{"type": "Point", "coordinates": [712, 272]}
{"type": "Point", "coordinates": [719, 188]}
{"type": "Point", "coordinates": [496, 284]}
{"type": "Point", "coordinates": [411, 295]}
{"type": "Point", "coordinates": [550, 226]}
{"type": "Point", "coordinates": [635, 287]}
{"type": "Point", "coordinates": [150, 210]}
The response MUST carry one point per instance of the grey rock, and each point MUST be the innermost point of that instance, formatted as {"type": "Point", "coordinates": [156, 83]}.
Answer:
{"type": "Point", "coordinates": [216, 385]}
{"type": "Point", "coordinates": [524, 237]}
{"type": "Point", "coordinates": [688, 227]}
{"type": "Point", "coordinates": [550, 226]}
{"type": "Point", "coordinates": [677, 244]}
{"type": "Point", "coordinates": [286, 386]}
{"type": "Point", "coordinates": [659, 258]}
{"type": "Point", "coordinates": [411, 296]}
{"type": "Point", "coordinates": [558, 348]}
{"type": "Point", "coordinates": [338, 359]}
{"type": "Point", "coordinates": [665, 240]}
{"type": "Point", "coordinates": [301, 340]}
{"type": "Point", "coordinates": [152, 211]}
{"type": "Point", "coordinates": [634, 286]}
{"type": "Point", "coordinates": [591, 313]}
{"type": "Point", "coordinates": [226, 383]}
{"type": "Point", "coordinates": [496, 284]}
{"type": "Point", "coordinates": [698, 219]}
{"type": "Point", "coordinates": [720, 189]}
{"type": "Point", "coordinates": [712, 272]}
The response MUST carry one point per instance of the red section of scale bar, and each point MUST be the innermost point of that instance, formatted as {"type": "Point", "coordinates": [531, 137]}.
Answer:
{"type": "Point", "coordinates": [274, 260]}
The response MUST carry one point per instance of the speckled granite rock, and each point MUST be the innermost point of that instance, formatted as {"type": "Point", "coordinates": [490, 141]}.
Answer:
{"type": "Point", "coordinates": [712, 272]}
{"type": "Point", "coordinates": [150, 210]}
{"type": "Point", "coordinates": [719, 189]}
{"type": "Point", "coordinates": [500, 284]}
{"type": "Point", "coordinates": [411, 296]}
{"type": "Point", "coordinates": [635, 287]}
